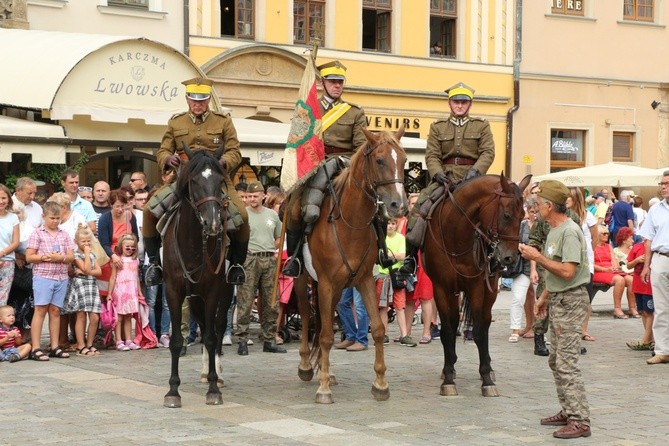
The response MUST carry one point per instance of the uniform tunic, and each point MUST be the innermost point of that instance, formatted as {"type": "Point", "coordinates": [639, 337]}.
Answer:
{"type": "Point", "coordinates": [346, 133]}
{"type": "Point", "coordinates": [459, 138]}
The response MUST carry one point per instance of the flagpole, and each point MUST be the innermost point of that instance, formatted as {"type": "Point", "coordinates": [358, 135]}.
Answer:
{"type": "Point", "coordinates": [277, 272]}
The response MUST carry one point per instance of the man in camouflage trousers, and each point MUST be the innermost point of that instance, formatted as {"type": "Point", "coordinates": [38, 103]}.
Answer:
{"type": "Point", "coordinates": [566, 263]}
{"type": "Point", "coordinates": [260, 266]}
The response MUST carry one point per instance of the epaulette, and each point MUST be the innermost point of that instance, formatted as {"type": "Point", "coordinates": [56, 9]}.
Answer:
{"type": "Point", "coordinates": [440, 120]}
{"type": "Point", "coordinates": [354, 105]}
{"type": "Point", "coordinates": [225, 114]}
{"type": "Point", "coordinates": [177, 115]}
{"type": "Point", "coordinates": [477, 118]}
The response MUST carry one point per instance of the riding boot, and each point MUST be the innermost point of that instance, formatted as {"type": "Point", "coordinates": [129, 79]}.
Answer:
{"type": "Point", "coordinates": [293, 266]}
{"type": "Point", "coordinates": [540, 348]}
{"type": "Point", "coordinates": [313, 194]}
{"type": "Point", "coordinates": [410, 264]}
{"type": "Point", "coordinates": [236, 274]}
{"type": "Point", "coordinates": [154, 272]}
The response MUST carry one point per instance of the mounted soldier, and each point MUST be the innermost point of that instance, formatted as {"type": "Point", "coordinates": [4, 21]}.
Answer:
{"type": "Point", "coordinates": [342, 133]}
{"type": "Point", "coordinates": [459, 147]}
{"type": "Point", "coordinates": [198, 129]}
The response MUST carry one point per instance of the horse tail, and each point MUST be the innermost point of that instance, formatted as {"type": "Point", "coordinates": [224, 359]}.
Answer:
{"type": "Point", "coordinates": [315, 353]}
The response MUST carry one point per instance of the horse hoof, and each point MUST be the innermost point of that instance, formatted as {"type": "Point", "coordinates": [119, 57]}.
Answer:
{"type": "Point", "coordinates": [333, 380]}
{"type": "Point", "coordinates": [324, 398]}
{"type": "Point", "coordinates": [489, 391]}
{"type": "Point", "coordinates": [305, 375]}
{"type": "Point", "coordinates": [172, 401]}
{"type": "Point", "coordinates": [214, 399]}
{"type": "Point", "coordinates": [380, 394]}
{"type": "Point", "coordinates": [448, 390]}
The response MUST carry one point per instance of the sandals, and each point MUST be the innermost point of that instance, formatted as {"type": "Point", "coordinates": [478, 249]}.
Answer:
{"type": "Point", "coordinates": [84, 351]}
{"type": "Point", "coordinates": [58, 353]}
{"type": "Point", "coordinates": [38, 355]}
{"type": "Point", "coordinates": [620, 315]}
{"type": "Point", "coordinates": [638, 345]}
{"type": "Point", "coordinates": [587, 337]}
{"type": "Point", "coordinates": [514, 338]}
{"type": "Point", "coordinates": [425, 340]}
{"type": "Point", "coordinates": [92, 351]}
{"type": "Point", "coordinates": [635, 314]}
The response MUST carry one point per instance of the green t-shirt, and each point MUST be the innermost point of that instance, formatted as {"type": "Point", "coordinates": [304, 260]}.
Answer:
{"type": "Point", "coordinates": [396, 246]}
{"type": "Point", "coordinates": [566, 243]}
{"type": "Point", "coordinates": [265, 228]}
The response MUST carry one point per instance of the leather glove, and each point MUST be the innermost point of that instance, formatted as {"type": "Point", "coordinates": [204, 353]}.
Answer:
{"type": "Point", "coordinates": [441, 177]}
{"type": "Point", "coordinates": [173, 161]}
{"type": "Point", "coordinates": [471, 173]}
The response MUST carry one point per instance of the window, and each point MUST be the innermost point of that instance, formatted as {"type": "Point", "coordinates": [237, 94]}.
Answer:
{"type": "Point", "coordinates": [376, 25]}
{"type": "Point", "coordinates": [142, 4]}
{"type": "Point", "coordinates": [623, 146]}
{"type": "Point", "coordinates": [308, 20]}
{"type": "Point", "coordinates": [443, 16]}
{"type": "Point", "coordinates": [570, 7]}
{"type": "Point", "coordinates": [237, 18]}
{"type": "Point", "coordinates": [567, 149]}
{"type": "Point", "coordinates": [639, 10]}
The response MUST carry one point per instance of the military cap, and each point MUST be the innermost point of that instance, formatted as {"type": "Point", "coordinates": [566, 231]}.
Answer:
{"type": "Point", "coordinates": [198, 88]}
{"type": "Point", "coordinates": [334, 70]}
{"type": "Point", "coordinates": [255, 186]}
{"type": "Point", "coordinates": [554, 191]}
{"type": "Point", "coordinates": [460, 92]}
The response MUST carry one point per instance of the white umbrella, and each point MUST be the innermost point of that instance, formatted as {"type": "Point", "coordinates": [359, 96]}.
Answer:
{"type": "Point", "coordinates": [609, 174]}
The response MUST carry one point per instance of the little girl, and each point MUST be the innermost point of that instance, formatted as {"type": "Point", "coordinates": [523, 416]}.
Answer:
{"type": "Point", "coordinates": [125, 291]}
{"type": "Point", "coordinates": [83, 296]}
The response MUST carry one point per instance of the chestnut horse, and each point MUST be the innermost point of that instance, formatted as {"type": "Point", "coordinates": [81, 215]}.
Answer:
{"type": "Point", "coordinates": [194, 265]}
{"type": "Point", "coordinates": [485, 213]}
{"type": "Point", "coordinates": [344, 248]}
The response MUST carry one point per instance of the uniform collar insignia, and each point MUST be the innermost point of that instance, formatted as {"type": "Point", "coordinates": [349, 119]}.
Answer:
{"type": "Point", "coordinates": [459, 121]}
{"type": "Point", "coordinates": [203, 117]}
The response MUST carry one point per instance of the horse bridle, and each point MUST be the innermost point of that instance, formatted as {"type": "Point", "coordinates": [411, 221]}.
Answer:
{"type": "Point", "coordinates": [219, 236]}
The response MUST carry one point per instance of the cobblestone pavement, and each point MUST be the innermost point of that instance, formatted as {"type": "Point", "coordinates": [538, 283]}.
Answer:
{"type": "Point", "coordinates": [116, 398]}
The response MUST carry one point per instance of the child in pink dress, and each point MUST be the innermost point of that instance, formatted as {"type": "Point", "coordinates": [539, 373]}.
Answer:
{"type": "Point", "coordinates": [125, 291]}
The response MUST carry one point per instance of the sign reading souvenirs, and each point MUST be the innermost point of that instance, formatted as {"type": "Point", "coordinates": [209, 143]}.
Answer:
{"type": "Point", "coordinates": [392, 123]}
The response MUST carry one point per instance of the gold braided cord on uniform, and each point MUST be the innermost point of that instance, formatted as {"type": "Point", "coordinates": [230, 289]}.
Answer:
{"type": "Point", "coordinates": [334, 114]}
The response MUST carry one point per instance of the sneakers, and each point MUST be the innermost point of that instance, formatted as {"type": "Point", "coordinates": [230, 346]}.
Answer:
{"type": "Point", "coordinates": [469, 335]}
{"type": "Point", "coordinates": [386, 340]}
{"type": "Point", "coordinates": [131, 345]}
{"type": "Point", "coordinates": [227, 340]}
{"type": "Point", "coordinates": [164, 341]}
{"type": "Point", "coordinates": [407, 341]}
{"type": "Point", "coordinates": [435, 333]}
{"type": "Point", "coordinates": [120, 346]}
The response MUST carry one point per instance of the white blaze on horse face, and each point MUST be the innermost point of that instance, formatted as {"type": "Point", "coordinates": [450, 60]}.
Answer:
{"type": "Point", "coordinates": [207, 173]}
{"type": "Point", "coordinates": [398, 186]}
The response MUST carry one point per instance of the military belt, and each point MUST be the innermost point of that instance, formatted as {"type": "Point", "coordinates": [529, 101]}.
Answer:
{"type": "Point", "coordinates": [459, 161]}
{"type": "Point", "coordinates": [261, 253]}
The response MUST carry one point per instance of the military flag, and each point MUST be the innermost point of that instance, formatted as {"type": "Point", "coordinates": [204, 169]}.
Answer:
{"type": "Point", "coordinates": [304, 148]}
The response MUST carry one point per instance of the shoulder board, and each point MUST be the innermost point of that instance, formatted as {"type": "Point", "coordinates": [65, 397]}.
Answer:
{"type": "Point", "coordinates": [177, 115]}
{"type": "Point", "coordinates": [440, 120]}
{"type": "Point", "coordinates": [476, 118]}
{"type": "Point", "coordinates": [225, 114]}
{"type": "Point", "coordinates": [354, 105]}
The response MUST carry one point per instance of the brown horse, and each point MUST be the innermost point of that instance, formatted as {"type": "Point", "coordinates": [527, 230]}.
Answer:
{"type": "Point", "coordinates": [194, 265]}
{"type": "Point", "coordinates": [485, 213]}
{"type": "Point", "coordinates": [344, 248]}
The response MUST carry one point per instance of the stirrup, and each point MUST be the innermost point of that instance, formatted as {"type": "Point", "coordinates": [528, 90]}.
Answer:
{"type": "Point", "coordinates": [409, 266]}
{"type": "Point", "coordinates": [292, 268]}
{"type": "Point", "coordinates": [153, 275]}
{"type": "Point", "coordinates": [236, 275]}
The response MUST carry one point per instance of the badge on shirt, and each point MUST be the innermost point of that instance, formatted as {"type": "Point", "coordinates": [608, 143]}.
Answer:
{"type": "Point", "coordinates": [216, 140]}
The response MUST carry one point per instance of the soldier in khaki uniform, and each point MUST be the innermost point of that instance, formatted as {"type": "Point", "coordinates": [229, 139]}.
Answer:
{"type": "Point", "coordinates": [458, 148]}
{"type": "Point", "coordinates": [342, 124]}
{"type": "Point", "coordinates": [200, 129]}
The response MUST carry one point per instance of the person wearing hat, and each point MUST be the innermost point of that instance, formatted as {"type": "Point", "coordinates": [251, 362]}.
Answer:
{"type": "Point", "coordinates": [459, 147]}
{"type": "Point", "coordinates": [199, 128]}
{"type": "Point", "coordinates": [260, 266]}
{"type": "Point", "coordinates": [342, 127]}
{"type": "Point", "coordinates": [566, 298]}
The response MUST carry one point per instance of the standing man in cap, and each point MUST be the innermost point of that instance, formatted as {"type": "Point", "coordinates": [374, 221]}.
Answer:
{"type": "Point", "coordinates": [261, 265]}
{"type": "Point", "coordinates": [565, 260]}
{"type": "Point", "coordinates": [342, 134]}
{"type": "Point", "coordinates": [200, 129]}
{"type": "Point", "coordinates": [459, 147]}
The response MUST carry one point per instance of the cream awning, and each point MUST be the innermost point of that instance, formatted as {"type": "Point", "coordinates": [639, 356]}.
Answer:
{"type": "Point", "coordinates": [21, 136]}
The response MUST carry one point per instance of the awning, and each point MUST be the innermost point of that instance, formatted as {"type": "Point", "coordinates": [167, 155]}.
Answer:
{"type": "Point", "coordinates": [21, 136]}
{"type": "Point", "coordinates": [264, 142]}
{"type": "Point", "coordinates": [109, 78]}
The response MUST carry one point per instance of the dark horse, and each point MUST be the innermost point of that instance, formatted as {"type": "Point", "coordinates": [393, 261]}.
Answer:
{"type": "Point", "coordinates": [472, 234]}
{"type": "Point", "coordinates": [344, 248]}
{"type": "Point", "coordinates": [194, 264]}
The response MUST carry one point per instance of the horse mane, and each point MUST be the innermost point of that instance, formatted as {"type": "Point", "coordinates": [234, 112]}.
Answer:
{"type": "Point", "coordinates": [200, 160]}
